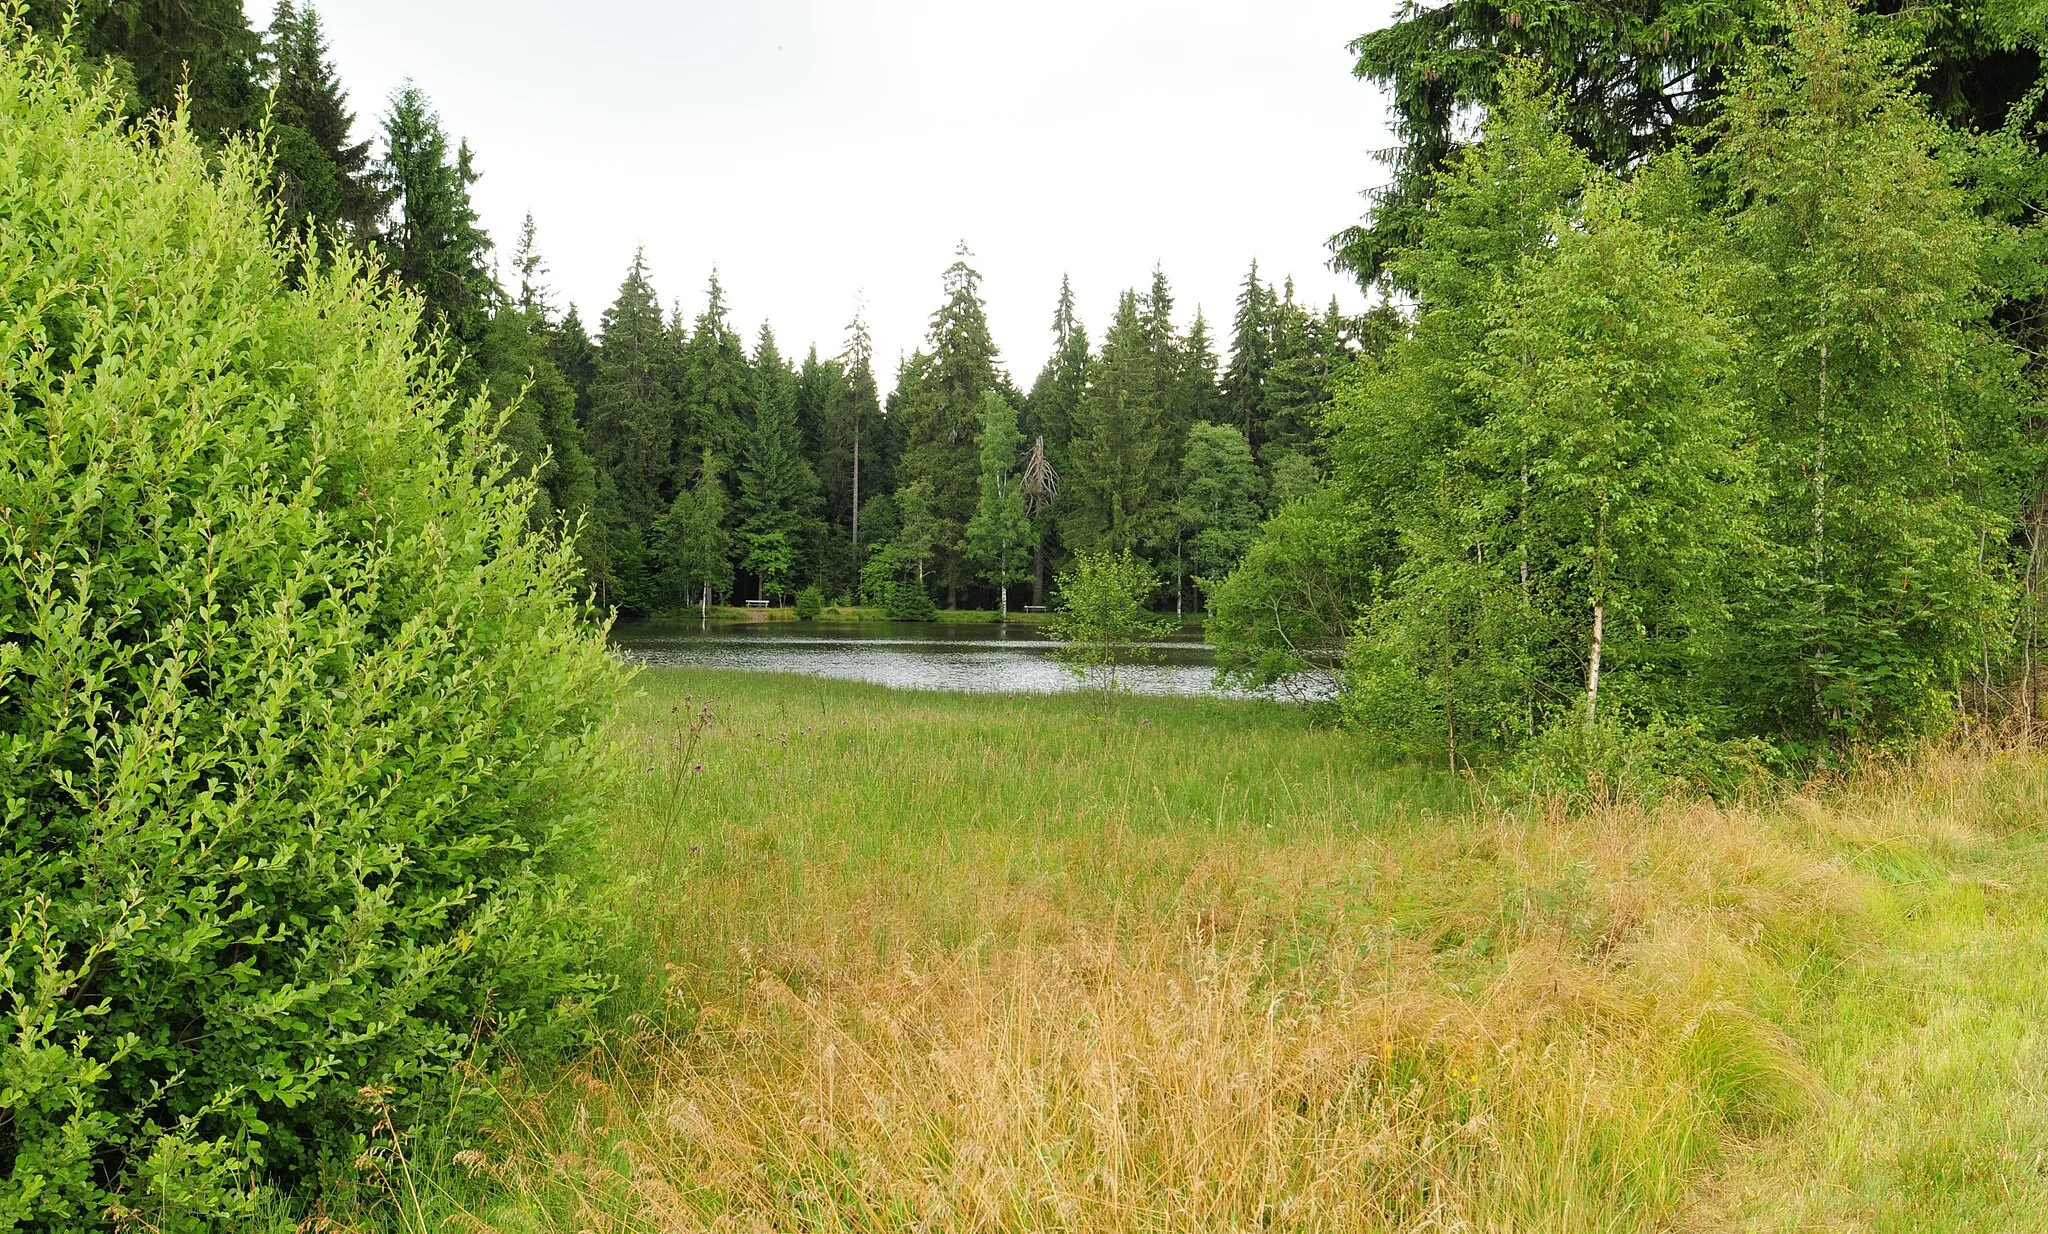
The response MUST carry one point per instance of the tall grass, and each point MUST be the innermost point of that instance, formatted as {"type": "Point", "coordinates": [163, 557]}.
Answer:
{"type": "Point", "coordinates": [936, 962]}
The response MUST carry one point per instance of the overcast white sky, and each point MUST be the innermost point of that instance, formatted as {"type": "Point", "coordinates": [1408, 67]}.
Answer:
{"type": "Point", "coordinates": [823, 153]}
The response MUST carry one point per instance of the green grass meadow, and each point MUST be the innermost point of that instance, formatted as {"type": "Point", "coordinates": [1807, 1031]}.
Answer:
{"type": "Point", "coordinates": [905, 961]}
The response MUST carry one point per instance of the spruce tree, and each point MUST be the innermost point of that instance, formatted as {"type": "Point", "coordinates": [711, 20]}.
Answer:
{"type": "Point", "coordinates": [1049, 411]}
{"type": "Point", "coordinates": [542, 428]}
{"type": "Point", "coordinates": [569, 346]}
{"type": "Point", "coordinates": [1157, 307]}
{"type": "Point", "coordinates": [778, 492]}
{"type": "Point", "coordinates": [1049, 421]}
{"type": "Point", "coordinates": [1637, 72]}
{"type": "Point", "coordinates": [1117, 459]}
{"type": "Point", "coordinates": [632, 418]}
{"type": "Point", "coordinates": [816, 385]}
{"type": "Point", "coordinates": [961, 345]}
{"type": "Point", "coordinates": [160, 48]}
{"type": "Point", "coordinates": [1309, 351]}
{"type": "Point", "coordinates": [433, 241]}
{"type": "Point", "coordinates": [940, 407]}
{"type": "Point", "coordinates": [324, 175]}
{"type": "Point", "coordinates": [1251, 358]}
{"type": "Point", "coordinates": [1636, 76]}
{"type": "Point", "coordinates": [1197, 390]}
{"type": "Point", "coordinates": [1169, 360]}
{"type": "Point", "coordinates": [849, 470]}
{"type": "Point", "coordinates": [531, 293]}
{"type": "Point", "coordinates": [711, 384]}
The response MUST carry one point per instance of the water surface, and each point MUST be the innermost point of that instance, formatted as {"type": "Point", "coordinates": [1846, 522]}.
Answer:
{"type": "Point", "coordinates": [984, 658]}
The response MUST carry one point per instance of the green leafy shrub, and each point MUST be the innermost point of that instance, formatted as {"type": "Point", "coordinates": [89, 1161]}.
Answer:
{"type": "Point", "coordinates": [910, 602]}
{"type": "Point", "coordinates": [1611, 762]}
{"type": "Point", "coordinates": [295, 708]}
{"type": "Point", "coordinates": [809, 603]}
{"type": "Point", "coordinates": [1283, 615]}
{"type": "Point", "coordinates": [1102, 619]}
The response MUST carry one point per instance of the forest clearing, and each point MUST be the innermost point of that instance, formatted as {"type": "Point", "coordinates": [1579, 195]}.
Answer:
{"type": "Point", "coordinates": [467, 769]}
{"type": "Point", "coordinates": [936, 961]}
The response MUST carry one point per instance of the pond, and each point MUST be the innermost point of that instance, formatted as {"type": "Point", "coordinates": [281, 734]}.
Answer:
{"type": "Point", "coordinates": [984, 658]}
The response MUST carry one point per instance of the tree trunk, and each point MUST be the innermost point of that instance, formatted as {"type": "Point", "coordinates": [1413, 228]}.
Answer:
{"type": "Point", "coordinates": [1599, 618]}
{"type": "Point", "coordinates": [1450, 713]}
{"type": "Point", "coordinates": [2037, 547]}
{"type": "Point", "coordinates": [1006, 603]}
{"type": "Point", "coordinates": [1038, 572]}
{"type": "Point", "coordinates": [1820, 530]}
{"type": "Point", "coordinates": [1528, 605]}
{"type": "Point", "coordinates": [1984, 643]}
{"type": "Point", "coordinates": [1593, 661]}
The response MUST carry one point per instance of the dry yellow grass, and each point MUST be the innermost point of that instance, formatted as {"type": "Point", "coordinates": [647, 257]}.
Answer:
{"type": "Point", "coordinates": [954, 964]}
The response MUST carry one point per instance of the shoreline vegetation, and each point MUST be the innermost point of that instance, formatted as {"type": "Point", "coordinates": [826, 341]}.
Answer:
{"type": "Point", "coordinates": [731, 614]}
{"type": "Point", "coordinates": [726, 614]}
{"type": "Point", "coordinates": [909, 961]}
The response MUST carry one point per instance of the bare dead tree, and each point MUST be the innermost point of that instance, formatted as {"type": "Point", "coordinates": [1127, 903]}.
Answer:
{"type": "Point", "coordinates": [1041, 485]}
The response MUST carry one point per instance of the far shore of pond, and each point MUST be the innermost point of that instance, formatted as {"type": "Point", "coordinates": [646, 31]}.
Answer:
{"type": "Point", "coordinates": [853, 613]}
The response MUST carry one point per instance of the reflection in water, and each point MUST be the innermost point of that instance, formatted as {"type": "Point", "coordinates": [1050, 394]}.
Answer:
{"type": "Point", "coordinates": [990, 658]}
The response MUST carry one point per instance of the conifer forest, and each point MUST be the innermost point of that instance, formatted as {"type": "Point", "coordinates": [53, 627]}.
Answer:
{"type": "Point", "coordinates": [1617, 804]}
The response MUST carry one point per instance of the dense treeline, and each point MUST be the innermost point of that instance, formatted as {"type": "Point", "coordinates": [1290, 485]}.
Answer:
{"type": "Point", "coordinates": [705, 465]}
{"type": "Point", "coordinates": [958, 485]}
{"type": "Point", "coordinates": [725, 468]}
{"type": "Point", "coordinates": [719, 467]}
{"type": "Point", "coordinates": [1715, 410]}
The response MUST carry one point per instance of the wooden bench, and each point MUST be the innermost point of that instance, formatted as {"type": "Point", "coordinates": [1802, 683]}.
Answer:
{"type": "Point", "coordinates": [1034, 608]}
{"type": "Point", "coordinates": [757, 604]}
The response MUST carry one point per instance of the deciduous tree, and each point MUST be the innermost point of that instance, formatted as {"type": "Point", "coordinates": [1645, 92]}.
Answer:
{"type": "Point", "coordinates": [999, 535]}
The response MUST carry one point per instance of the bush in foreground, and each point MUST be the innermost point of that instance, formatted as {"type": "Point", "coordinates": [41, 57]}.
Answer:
{"type": "Point", "coordinates": [294, 707]}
